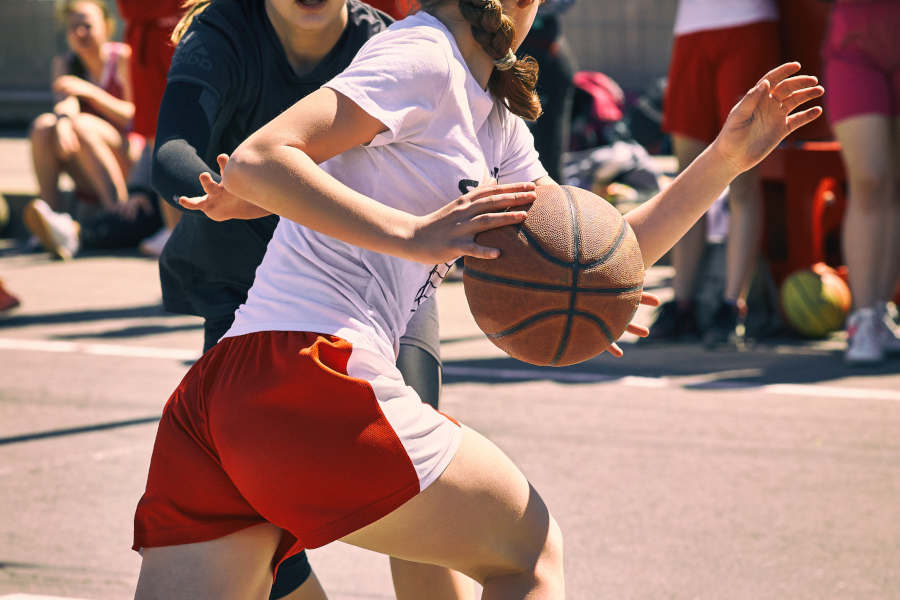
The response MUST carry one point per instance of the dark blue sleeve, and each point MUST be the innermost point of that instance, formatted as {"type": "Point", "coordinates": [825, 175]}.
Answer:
{"type": "Point", "coordinates": [194, 107]}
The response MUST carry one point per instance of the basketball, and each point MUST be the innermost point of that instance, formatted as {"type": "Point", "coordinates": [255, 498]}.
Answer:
{"type": "Point", "coordinates": [816, 301]}
{"type": "Point", "coordinates": [567, 282]}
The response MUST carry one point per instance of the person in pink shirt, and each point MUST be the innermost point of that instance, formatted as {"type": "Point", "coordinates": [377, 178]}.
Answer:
{"type": "Point", "coordinates": [862, 68]}
{"type": "Point", "coordinates": [87, 134]}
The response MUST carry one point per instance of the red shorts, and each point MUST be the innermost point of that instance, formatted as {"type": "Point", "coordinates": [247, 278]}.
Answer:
{"type": "Point", "coordinates": [862, 60]}
{"type": "Point", "coordinates": [296, 429]}
{"type": "Point", "coordinates": [710, 71]}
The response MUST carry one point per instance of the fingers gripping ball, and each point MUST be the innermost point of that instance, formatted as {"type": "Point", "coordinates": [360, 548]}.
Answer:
{"type": "Point", "coordinates": [567, 283]}
{"type": "Point", "coordinates": [815, 302]}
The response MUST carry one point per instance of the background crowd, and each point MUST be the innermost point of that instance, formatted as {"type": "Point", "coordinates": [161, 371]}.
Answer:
{"type": "Point", "coordinates": [101, 132]}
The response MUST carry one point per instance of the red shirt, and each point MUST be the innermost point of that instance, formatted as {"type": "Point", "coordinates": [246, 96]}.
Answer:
{"type": "Point", "coordinates": [396, 8]}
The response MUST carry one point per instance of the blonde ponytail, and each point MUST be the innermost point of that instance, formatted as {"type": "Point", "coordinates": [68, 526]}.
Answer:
{"type": "Point", "coordinates": [192, 9]}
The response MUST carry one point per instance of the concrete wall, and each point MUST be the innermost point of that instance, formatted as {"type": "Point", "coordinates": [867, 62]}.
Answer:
{"type": "Point", "coordinates": [629, 40]}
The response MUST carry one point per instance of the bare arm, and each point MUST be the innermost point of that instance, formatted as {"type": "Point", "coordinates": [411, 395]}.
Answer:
{"type": "Point", "coordinates": [64, 104]}
{"type": "Point", "coordinates": [276, 169]}
{"type": "Point", "coordinates": [118, 111]}
{"type": "Point", "coordinates": [755, 126]}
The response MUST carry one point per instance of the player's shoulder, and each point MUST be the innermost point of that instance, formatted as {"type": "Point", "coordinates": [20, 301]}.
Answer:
{"type": "Point", "coordinates": [415, 47]}
{"type": "Point", "coordinates": [229, 21]}
{"type": "Point", "coordinates": [222, 38]}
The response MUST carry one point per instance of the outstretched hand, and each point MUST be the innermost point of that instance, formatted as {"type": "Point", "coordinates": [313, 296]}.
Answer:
{"type": "Point", "coordinates": [765, 116]}
{"type": "Point", "coordinates": [638, 330]}
{"type": "Point", "coordinates": [218, 203]}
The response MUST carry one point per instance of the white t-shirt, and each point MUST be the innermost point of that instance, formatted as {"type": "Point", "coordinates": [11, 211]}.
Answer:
{"type": "Point", "coordinates": [445, 135]}
{"type": "Point", "coordinates": [700, 15]}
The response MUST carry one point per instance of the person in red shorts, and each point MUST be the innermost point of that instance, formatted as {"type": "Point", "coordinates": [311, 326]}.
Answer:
{"type": "Point", "coordinates": [297, 429]}
{"type": "Point", "coordinates": [148, 26]}
{"type": "Point", "coordinates": [862, 66]}
{"type": "Point", "coordinates": [721, 47]}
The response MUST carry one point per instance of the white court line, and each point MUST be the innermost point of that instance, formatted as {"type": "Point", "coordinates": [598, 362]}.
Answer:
{"type": "Point", "coordinates": [793, 389]}
{"type": "Point", "coordinates": [97, 349]}
{"type": "Point", "coordinates": [784, 389]}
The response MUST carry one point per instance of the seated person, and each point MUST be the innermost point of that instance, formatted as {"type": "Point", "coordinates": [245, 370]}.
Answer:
{"type": "Point", "coordinates": [87, 134]}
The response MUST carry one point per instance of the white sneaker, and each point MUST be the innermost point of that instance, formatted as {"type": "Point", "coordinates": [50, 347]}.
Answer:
{"type": "Point", "coordinates": [864, 337]}
{"type": "Point", "coordinates": [59, 233]}
{"type": "Point", "coordinates": [889, 340]}
{"type": "Point", "coordinates": [153, 245]}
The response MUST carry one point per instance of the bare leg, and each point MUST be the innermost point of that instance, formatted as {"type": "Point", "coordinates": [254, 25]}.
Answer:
{"type": "Point", "coordinates": [744, 230]}
{"type": "Point", "coordinates": [481, 517]}
{"type": "Point", "coordinates": [865, 141]}
{"type": "Point", "coordinates": [892, 257]}
{"type": "Point", "coordinates": [688, 252]}
{"type": "Point", "coordinates": [104, 158]}
{"type": "Point", "coordinates": [45, 156]}
{"type": "Point", "coordinates": [417, 580]}
{"type": "Point", "coordinates": [235, 567]}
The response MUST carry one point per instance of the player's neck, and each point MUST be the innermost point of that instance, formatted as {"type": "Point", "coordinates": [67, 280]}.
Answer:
{"type": "Point", "coordinates": [304, 48]}
{"type": "Point", "coordinates": [480, 64]}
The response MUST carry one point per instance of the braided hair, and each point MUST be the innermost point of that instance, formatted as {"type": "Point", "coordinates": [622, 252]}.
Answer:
{"type": "Point", "coordinates": [495, 32]}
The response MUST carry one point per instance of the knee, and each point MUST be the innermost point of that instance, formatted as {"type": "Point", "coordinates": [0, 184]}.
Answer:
{"type": "Point", "coordinates": [42, 128]}
{"type": "Point", "coordinates": [869, 187]}
{"type": "Point", "coordinates": [550, 559]}
{"type": "Point", "coordinates": [82, 124]}
{"type": "Point", "coordinates": [537, 557]}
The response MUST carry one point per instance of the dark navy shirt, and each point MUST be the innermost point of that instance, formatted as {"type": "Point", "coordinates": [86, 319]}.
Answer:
{"type": "Point", "coordinates": [229, 76]}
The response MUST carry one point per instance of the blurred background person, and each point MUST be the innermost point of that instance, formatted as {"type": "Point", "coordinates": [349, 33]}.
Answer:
{"type": "Point", "coordinates": [87, 134]}
{"type": "Point", "coordinates": [862, 72]}
{"type": "Point", "coordinates": [148, 27]}
{"type": "Point", "coordinates": [721, 49]}
{"type": "Point", "coordinates": [546, 44]}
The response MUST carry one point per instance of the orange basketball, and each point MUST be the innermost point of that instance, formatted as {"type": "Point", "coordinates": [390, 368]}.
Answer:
{"type": "Point", "coordinates": [567, 283]}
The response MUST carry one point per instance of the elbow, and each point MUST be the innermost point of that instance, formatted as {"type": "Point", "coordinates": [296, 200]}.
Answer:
{"type": "Point", "coordinates": [243, 173]}
{"type": "Point", "coordinates": [159, 181]}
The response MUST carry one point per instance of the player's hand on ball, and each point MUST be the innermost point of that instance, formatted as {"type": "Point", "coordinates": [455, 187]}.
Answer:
{"type": "Point", "coordinates": [765, 116]}
{"type": "Point", "coordinates": [638, 330]}
{"type": "Point", "coordinates": [450, 231]}
{"type": "Point", "coordinates": [218, 203]}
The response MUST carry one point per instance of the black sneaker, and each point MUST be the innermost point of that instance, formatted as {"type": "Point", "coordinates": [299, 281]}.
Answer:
{"type": "Point", "coordinates": [673, 323]}
{"type": "Point", "coordinates": [723, 328]}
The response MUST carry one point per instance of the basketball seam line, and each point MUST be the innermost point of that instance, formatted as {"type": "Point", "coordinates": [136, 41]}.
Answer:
{"type": "Point", "coordinates": [546, 287]}
{"type": "Point", "coordinates": [600, 323]}
{"type": "Point", "coordinates": [573, 294]}
{"type": "Point", "coordinates": [534, 243]}
{"type": "Point", "coordinates": [609, 253]}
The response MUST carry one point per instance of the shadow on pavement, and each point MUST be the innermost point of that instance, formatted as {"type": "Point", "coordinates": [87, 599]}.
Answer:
{"type": "Point", "coordinates": [714, 369]}
{"type": "Point", "coordinates": [100, 314]}
{"type": "Point", "coordinates": [131, 332]}
{"type": "Point", "coordinates": [40, 435]}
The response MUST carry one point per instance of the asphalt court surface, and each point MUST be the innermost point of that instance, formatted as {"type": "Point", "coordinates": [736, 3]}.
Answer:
{"type": "Point", "coordinates": [674, 472]}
